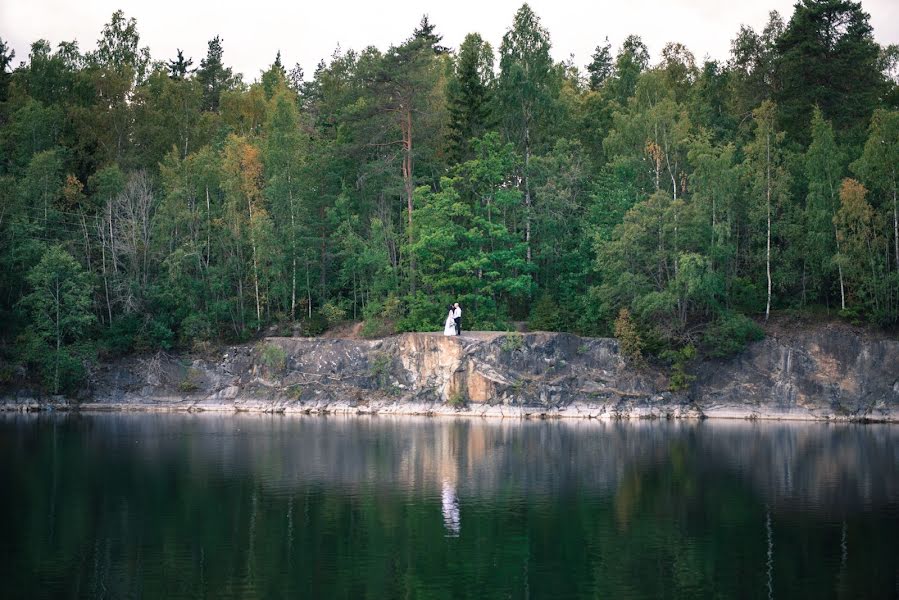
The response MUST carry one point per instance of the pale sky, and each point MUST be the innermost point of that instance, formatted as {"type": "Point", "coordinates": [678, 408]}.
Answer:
{"type": "Point", "coordinates": [305, 32]}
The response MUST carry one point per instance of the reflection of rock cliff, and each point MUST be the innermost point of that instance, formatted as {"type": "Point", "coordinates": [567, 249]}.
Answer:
{"type": "Point", "coordinates": [829, 373]}
{"type": "Point", "coordinates": [829, 469]}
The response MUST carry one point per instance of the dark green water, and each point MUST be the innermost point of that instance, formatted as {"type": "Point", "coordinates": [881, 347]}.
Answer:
{"type": "Point", "coordinates": [198, 506]}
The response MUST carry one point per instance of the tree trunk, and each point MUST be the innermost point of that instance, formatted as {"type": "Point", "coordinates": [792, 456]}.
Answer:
{"type": "Point", "coordinates": [58, 338]}
{"type": "Point", "coordinates": [408, 187]}
{"type": "Point", "coordinates": [768, 206]}
{"type": "Point", "coordinates": [255, 266]}
{"type": "Point", "coordinates": [101, 233]}
{"type": "Point", "coordinates": [895, 221]}
{"type": "Point", "coordinates": [293, 252]}
{"type": "Point", "coordinates": [527, 190]}
{"type": "Point", "coordinates": [208, 225]}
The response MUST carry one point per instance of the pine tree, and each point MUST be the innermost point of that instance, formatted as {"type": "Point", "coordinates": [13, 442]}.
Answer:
{"type": "Point", "coordinates": [828, 57]}
{"type": "Point", "coordinates": [470, 96]}
{"type": "Point", "coordinates": [601, 67]}
{"type": "Point", "coordinates": [179, 67]}
{"type": "Point", "coordinates": [425, 34]}
{"type": "Point", "coordinates": [526, 90]}
{"type": "Point", "coordinates": [213, 76]}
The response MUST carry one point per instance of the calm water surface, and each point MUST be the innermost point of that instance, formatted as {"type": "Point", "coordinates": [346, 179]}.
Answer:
{"type": "Point", "coordinates": [199, 506]}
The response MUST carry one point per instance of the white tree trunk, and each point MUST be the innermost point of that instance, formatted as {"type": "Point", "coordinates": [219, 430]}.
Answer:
{"type": "Point", "coordinates": [768, 240]}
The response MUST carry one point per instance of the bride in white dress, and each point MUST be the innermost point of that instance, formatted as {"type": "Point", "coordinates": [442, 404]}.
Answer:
{"type": "Point", "coordinates": [449, 327]}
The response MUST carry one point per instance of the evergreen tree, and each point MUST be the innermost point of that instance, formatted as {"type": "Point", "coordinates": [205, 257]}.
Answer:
{"type": "Point", "coordinates": [470, 96]}
{"type": "Point", "coordinates": [213, 76]}
{"type": "Point", "coordinates": [425, 34]}
{"type": "Point", "coordinates": [7, 54]}
{"type": "Point", "coordinates": [828, 57]}
{"type": "Point", "coordinates": [601, 66]}
{"type": "Point", "coordinates": [632, 59]}
{"type": "Point", "coordinates": [526, 88]}
{"type": "Point", "coordinates": [179, 67]}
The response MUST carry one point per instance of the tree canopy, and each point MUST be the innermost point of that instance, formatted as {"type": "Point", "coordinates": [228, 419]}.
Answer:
{"type": "Point", "coordinates": [149, 204]}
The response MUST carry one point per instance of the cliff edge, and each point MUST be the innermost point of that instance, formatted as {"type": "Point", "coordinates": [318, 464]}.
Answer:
{"type": "Point", "coordinates": [828, 373]}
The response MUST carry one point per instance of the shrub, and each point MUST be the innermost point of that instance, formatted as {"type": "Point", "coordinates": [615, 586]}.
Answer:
{"type": "Point", "coordinates": [729, 335]}
{"type": "Point", "coordinates": [456, 399]}
{"type": "Point", "coordinates": [680, 379]}
{"type": "Point", "coordinates": [381, 317]}
{"type": "Point", "coordinates": [333, 313]}
{"type": "Point", "coordinates": [379, 368]}
{"type": "Point", "coordinates": [512, 341]}
{"type": "Point", "coordinates": [629, 339]}
{"type": "Point", "coordinates": [746, 296]}
{"type": "Point", "coordinates": [195, 328]}
{"type": "Point", "coordinates": [314, 325]}
{"type": "Point", "coordinates": [190, 382]}
{"type": "Point", "coordinates": [274, 357]}
{"type": "Point", "coordinates": [546, 315]}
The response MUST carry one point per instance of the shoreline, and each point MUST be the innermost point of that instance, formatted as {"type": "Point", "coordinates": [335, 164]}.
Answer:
{"type": "Point", "coordinates": [574, 412]}
{"type": "Point", "coordinates": [831, 374]}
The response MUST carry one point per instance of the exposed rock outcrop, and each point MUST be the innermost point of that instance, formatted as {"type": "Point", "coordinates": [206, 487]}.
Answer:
{"type": "Point", "coordinates": [830, 373]}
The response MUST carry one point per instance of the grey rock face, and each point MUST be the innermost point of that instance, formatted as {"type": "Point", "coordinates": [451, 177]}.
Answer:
{"type": "Point", "coordinates": [829, 373]}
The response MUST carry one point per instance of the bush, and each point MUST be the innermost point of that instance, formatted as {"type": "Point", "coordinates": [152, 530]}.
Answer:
{"type": "Point", "coordinates": [274, 357]}
{"type": "Point", "coordinates": [333, 313]}
{"type": "Point", "coordinates": [190, 382]}
{"type": "Point", "coordinates": [380, 369]}
{"type": "Point", "coordinates": [680, 379]}
{"type": "Point", "coordinates": [546, 315]}
{"type": "Point", "coordinates": [195, 328]}
{"type": "Point", "coordinates": [418, 312]}
{"type": "Point", "coordinates": [381, 317]}
{"type": "Point", "coordinates": [512, 341]}
{"type": "Point", "coordinates": [314, 325]}
{"type": "Point", "coordinates": [456, 400]}
{"type": "Point", "coordinates": [746, 296]}
{"type": "Point", "coordinates": [629, 339]}
{"type": "Point", "coordinates": [729, 335]}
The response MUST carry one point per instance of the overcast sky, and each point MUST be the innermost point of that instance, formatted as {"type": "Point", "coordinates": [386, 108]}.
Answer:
{"type": "Point", "coordinates": [305, 32]}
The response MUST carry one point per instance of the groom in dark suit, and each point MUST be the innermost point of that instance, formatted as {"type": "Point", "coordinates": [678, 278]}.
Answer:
{"type": "Point", "coordinates": [457, 317]}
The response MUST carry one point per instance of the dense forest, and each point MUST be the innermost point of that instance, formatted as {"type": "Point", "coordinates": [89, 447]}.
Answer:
{"type": "Point", "coordinates": [153, 204]}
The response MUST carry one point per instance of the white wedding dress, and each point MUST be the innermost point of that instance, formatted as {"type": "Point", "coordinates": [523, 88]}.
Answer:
{"type": "Point", "coordinates": [449, 328]}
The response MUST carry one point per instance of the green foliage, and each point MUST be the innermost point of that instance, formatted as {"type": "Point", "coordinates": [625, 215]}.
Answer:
{"type": "Point", "coordinates": [679, 359]}
{"type": "Point", "coordinates": [381, 317]}
{"type": "Point", "coordinates": [202, 209]}
{"type": "Point", "coordinates": [379, 369]}
{"type": "Point", "coordinates": [58, 305]}
{"type": "Point", "coordinates": [315, 325]}
{"type": "Point", "coordinates": [190, 382]}
{"type": "Point", "coordinates": [273, 356]}
{"type": "Point", "coordinates": [729, 334]}
{"type": "Point", "coordinates": [512, 341]}
{"type": "Point", "coordinates": [456, 399]}
{"type": "Point", "coordinates": [333, 313]}
{"type": "Point", "coordinates": [628, 337]}
{"type": "Point", "coordinates": [546, 315]}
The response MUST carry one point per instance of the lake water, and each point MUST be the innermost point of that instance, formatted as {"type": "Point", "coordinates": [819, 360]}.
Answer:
{"type": "Point", "coordinates": [257, 506]}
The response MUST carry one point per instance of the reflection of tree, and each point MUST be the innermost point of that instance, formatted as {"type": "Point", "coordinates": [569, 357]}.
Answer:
{"type": "Point", "coordinates": [160, 507]}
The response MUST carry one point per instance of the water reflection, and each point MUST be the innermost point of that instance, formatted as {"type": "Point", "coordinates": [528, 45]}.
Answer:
{"type": "Point", "coordinates": [253, 505]}
{"type": "Point", "coordinates": [791, 465]}
{"type": "Point", "coordinates": [450, 505]}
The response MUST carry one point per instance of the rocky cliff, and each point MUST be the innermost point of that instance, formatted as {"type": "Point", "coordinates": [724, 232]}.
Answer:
{"type": "Point", "coordinates": [832, 372]}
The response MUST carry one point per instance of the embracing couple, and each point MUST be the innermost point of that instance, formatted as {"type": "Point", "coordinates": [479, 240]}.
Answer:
{"type": "Point", "coordinates": [453, 325]}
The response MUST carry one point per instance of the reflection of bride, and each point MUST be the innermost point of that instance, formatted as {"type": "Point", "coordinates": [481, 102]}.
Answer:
{"type": "Point", "coordinates": [451, 518]}
{"type": "Point", "coordinates": [449, 327]}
